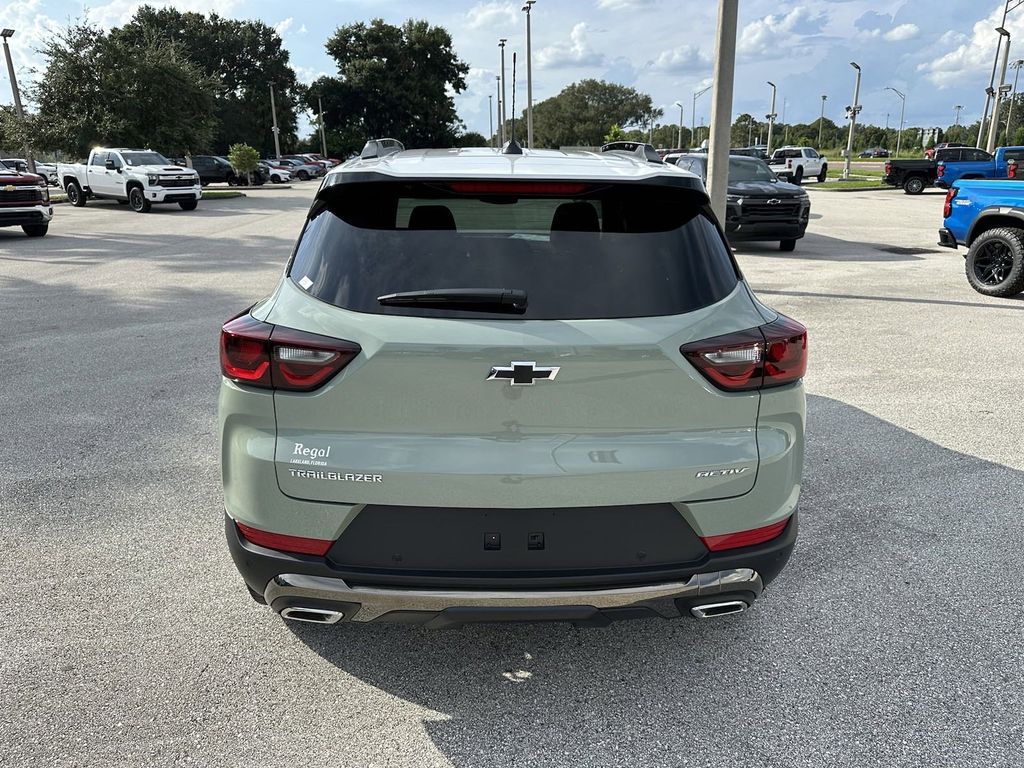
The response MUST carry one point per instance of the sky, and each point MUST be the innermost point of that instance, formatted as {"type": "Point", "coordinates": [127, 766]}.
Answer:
{"type": "Point", "coordinates": [938, 52]}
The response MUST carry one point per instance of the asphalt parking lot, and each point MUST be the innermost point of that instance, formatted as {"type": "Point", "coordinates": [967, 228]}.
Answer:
{"type": "Point", "coordinates": [893, 638]}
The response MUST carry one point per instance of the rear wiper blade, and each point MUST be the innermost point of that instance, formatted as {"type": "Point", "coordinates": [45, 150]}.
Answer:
{"type": "Point", "coordinates": [512, 300]}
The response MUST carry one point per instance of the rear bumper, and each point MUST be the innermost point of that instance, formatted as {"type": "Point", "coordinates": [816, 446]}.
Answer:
{"type": "Point", "coordinates": [947, 238]}
{"type": "Point", "coordinates": [288, 581]}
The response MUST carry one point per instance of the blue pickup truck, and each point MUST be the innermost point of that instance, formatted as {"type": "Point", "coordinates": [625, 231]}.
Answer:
{"type": "Point", "coordinates": [987, 216]}
{"type": "Point", "coordinates": [976, 164]}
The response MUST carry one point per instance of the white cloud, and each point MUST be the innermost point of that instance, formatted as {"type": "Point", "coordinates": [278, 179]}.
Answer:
{"type": "Point", "coordinates": [622, 5]}
{"type": "Point", "coordinates": [307, 75]}
{"type": "Point", "coordinates": [776, 35]}
{"type": "Point", "coordinates": [683, 58]}
{"type": "Point", "coordinates": [494, 15]}
{"type": "Point", "coordinates": [971, 59]}
{"type": "Point", "coordinates": [302, 30]}
{"type": "Point", "coordinates": [117, 12]}
{"type": "Point", "coordinates": [574, 53]}
{"type": "Point", "coordinates": [902, 32]}
{"type": "Point", "coordinates": [283, 26]}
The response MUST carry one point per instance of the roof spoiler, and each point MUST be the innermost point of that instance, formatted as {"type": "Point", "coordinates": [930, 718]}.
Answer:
{"type": "Point", "coordinates": [380, 148]}
{"type": "Point", "coordinates": [637, 149]}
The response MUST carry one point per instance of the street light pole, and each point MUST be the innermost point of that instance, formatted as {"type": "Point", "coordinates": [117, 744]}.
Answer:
{"type": "Point", "coordinates": [529, 78]}
{"type": "Point", "coordinates": [504, 106]}
{"type": "Point", "coordinates": [721, 106]}
{"type": "Point", "coordinates": [693, 112]}
{"type": "Point", "coordinates": [501, 127]}
{"type": "Point", "coordinates": [903, 108]}
{"type": "Point", "coordinates": [958, 108]}
{"type": "Point", "coordinates": [679, 141]}
{"type": "Point", "coordinates": [323, 136]}
{"type": "Point", "coordinates": [1013, 96]}
{"type": "Point", "coordinates": [1011, 5]}
{"type": "Point", "coordinates": [770, 117]}
{"type": "Point", "coordinates": [275, 129]}
{"type": "Point", "coordinates": [490, 118]}
{"type": "Point", "coordinates": [6, 33]}
{"type": "Point", "coordinates": [821, 121]}
{"type": "Point", "coordinates": [854, 109]}
{"type": "Point", "coordinates": [998, 93]}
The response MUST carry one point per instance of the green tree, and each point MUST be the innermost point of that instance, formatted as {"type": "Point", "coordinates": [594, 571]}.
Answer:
{"type": "Point", "coordinates": [581, 114]}
{"type": "Point", "coordinates": [471, 139]}
{"type": "Point", "coordinates": [244, 159]}
{"type": "Point", "coordinates": [245, 56]}
{"type": "Point", "coordinates": [96, 90]}
{"type": "Point", "coordinates": [392, 81]}
{"type": "Point", "coordinates": [615, 134]}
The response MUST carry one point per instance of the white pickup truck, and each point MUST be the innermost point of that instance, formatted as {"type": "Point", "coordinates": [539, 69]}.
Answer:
{"type": "Point", "coordinates": [797, 163]}
{"type": "Point", "coordinates": [136, 177]}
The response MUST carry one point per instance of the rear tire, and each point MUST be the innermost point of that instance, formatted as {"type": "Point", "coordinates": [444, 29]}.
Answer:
{"type": "Point", "coordinates": [137, 200]}
{"type": "Point", "coordinates": [75, 194]}
{"type": "Point", "coordinates": [188, 205]}
{"type": "Point", "coordinates": [824, 174]}
{"type": "Point", "coordinates": [914, 185]}
{"type": "Point", "coordinates": [995, 263]}
{"type": "Point", "coordinates": [304, 175]}
{"type": "Point", "coordinates": [798, 175]}
{"type": "Point", "coordinates": [35, 230]}
{"type": "Point", "coordinates": [787, 245]}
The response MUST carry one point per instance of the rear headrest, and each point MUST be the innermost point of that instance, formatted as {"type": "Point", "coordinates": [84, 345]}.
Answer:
{"type": "Point", "coordinates": [575, 217]}
{"type": "Point", "coordinates": [431, 217]}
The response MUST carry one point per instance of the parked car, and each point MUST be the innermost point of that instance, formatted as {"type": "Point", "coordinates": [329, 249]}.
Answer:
{"type": "Point", "coordinates": [914, 176]}
{"type": "Point", "coordinates": [930, 152]}
{"type": "Point", "coordinates": [758, 205]}
{"type": "Point", "coordinates": [971, 163]}
{"type": "Point", "coordinates": [987, 216]}
{"type": "Point", "coordinates": [301, 169]}
{"type": "Point", "coordinates": [24, 200]}
{"type": "Point", "coordinates": [874, 152]}
{"type": "Point", "coordinates": [139, 178]}
{"type": "Point", "coordinates": [276, 174]}
{"type": "Point", "coordinates": [494, 392]}
{"type": "Point", "coordinates": [213, 169]}
{"type": "Point", "coordinates": [47, 170]}
{"type": "Point", "coordinates": [795, 163]}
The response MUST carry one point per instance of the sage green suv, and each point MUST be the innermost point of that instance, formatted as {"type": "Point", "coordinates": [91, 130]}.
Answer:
{"type": "Point", "coordinates": [510, 386]}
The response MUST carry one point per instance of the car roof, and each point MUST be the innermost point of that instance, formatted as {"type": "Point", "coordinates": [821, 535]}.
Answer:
{"type": "Point", "coordinates": [531, 164]}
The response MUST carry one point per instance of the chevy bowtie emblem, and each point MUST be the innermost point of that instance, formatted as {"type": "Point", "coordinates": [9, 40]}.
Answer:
{"type": "Point", "coordinates": [520, 374]}
{"type": "Point", "coordinates": [9, 188]}
{"type": "Point", "coordinates": [774, 201]}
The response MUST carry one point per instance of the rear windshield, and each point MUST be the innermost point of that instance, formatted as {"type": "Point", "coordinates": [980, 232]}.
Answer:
{"type": "Point", "coordinates": [783, 154]}
{"type": "Point", "coordinates": [613, 251]}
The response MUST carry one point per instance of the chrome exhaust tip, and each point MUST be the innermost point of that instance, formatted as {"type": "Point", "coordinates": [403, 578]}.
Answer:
{"type": "Point", "coordinates": [714, 610]}
{"type": "Point", "coordinates": [312, 615]}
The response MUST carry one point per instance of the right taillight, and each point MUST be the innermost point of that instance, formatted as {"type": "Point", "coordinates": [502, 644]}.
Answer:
{"type": "Point", "coordinates": [768, 356]}
{"type": "Point", "coordinates": [888, 169]}
{"type": "Point", "coordinates": [1011, 169]}
{"type": "Point", "coordinates": [947, 207]}
{"type": "Point", "coordinates": [940, 170]}
{"type": "Point", "coordinates": [273, 357]}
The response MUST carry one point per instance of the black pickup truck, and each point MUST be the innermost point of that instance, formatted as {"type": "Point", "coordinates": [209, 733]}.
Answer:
{"type": "Point", "coordinates": [915, 175]}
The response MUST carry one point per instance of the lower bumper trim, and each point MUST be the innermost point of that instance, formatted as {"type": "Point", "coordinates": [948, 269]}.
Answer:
{"type": "Point", "coordinates": [287, 591]}
{"type": "Point", "coordinates": [947, 239]}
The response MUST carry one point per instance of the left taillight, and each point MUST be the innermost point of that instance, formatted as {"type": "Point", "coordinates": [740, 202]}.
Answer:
{"type": "Point", "coordinates": [270, 356]}
{"type": "Point", "coordinates": [279, 541]}
{"type": "Point", "coordinates": [947, 207]}
{"type": "Point", "coordinates": [767, 356]}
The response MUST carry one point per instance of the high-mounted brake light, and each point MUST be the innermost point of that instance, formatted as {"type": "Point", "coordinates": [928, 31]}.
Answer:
{"type": "Point", "coordinates": [272, 357]}
{"type": "Point", "coordinates": [947, 207]}
{"type": "Point", "coordinates": [745, 538]}
{"type": "Point", "coordinates": [768, 356]}
{"type": "Point", "coordinates": [297, 544]}
{"type": "Point", "coordinates": [518, 187]}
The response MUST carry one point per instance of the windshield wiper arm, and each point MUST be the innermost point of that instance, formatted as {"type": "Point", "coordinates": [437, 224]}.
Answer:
{"type": "Point", "coordinates": [511, 300]}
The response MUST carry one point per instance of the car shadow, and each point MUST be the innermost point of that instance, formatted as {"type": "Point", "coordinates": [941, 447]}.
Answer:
{"type": "Point", "coordinates": [903, 550]}
{"type": "Point", "coordinates": [815, 247]}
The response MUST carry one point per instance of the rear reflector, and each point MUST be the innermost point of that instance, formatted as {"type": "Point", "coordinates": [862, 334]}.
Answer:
{"type": "Point", "coordinates": [744, 538]}
{"type": "Point", "coordinates": [518, 187]}
{"type": "Point", "coordinates": [768, 356]}
{"type": "Point", "coordinates": [273, 357]}
{"type": "Point", "coordinates": [297, 544]}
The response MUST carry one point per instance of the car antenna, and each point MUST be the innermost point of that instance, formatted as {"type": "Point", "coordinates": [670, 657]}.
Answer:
{"type": "Point", "coordinates": [512, 146]}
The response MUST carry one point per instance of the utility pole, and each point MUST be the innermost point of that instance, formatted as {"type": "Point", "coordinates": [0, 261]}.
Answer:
{"type": "Point", "coordinates": [721, 106]}
{"type": "Point", "coordinates": [504, 107]}
{"type": "Point", "coordinates": [853, 110]}
{"type": "Point", "coordinates": [997, 96]}
{"type": "Point", "coordinates": [770, 117]}
{"type": "Point", "coordinates": [1013, 97]}
{"type": "Point", "coordinates": [6, 33]}
{"type": "Point", "coordinates": [501, 127]}
{"type": "Point", "coordinates": [529, 78]}
{"type": "Point", "coordinates": [693, 114]}
{"type": "Point", "coordinates": [679, 141]}
{"type": "Point", "coordinates": [903, 109]}
{"type": "Point", "coordinates": [821, 121]}
{"type": "Point", "coordinates": [323, 137]}
{"type": "Point", "coordinates": [490, 118]}
{"type": "Point", "coordinates": [275, 129]}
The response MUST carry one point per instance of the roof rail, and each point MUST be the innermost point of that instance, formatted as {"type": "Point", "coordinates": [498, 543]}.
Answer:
{"type": "Point", "coordinates": [380, 148]}
{"type": "Point", "coordinates": [638, 149]}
